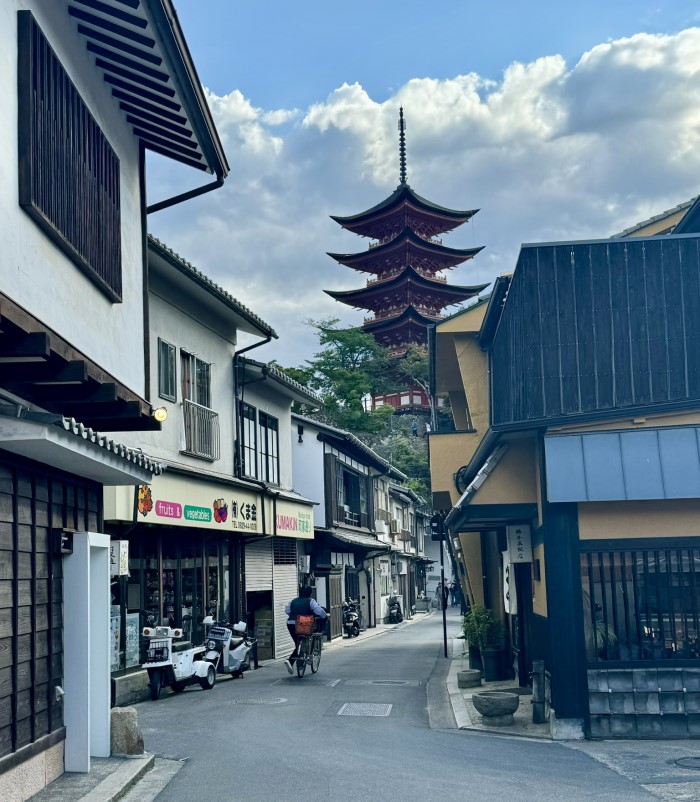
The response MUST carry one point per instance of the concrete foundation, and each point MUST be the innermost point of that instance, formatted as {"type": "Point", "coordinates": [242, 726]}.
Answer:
{"type": "Point", "coordinates": [33, 775]}
{"type": "Point", "coordinates": [565, 729]}
{"type": "Point", "coordinates": [130, 689]}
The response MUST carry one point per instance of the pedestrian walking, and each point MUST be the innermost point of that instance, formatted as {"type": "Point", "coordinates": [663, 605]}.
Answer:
{"type": "Point", "coordinates": [414, 427]}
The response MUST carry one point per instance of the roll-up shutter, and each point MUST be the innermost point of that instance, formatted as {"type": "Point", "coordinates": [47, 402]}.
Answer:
{"type": "Point", "coordinates": [258, 564]}
{"type": "Point", "coordinates": [285, 588]}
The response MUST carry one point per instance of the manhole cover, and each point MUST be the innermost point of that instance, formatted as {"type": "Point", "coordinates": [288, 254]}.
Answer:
{"type": "Point", "coordinates": [390, 682]}
{"type": "Point", "coordinates": [689, 762]}
{"type": "Point", "coordinates": [364, 709]}
{"type": "Point", "coordinates": [269, 700]}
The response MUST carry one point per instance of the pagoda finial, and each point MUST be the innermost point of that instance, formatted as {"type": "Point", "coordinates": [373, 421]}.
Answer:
{"type": "Point", "coordinates": [402, 146]}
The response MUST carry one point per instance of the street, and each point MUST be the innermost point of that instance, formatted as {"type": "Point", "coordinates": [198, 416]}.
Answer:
{"type": "Point", "coordinates": [373, 723]}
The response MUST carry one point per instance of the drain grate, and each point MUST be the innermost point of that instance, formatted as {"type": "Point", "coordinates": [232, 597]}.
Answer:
{"type": "Point", "coordinates": [364, 709]}
{"type": "Point", "coordinates": [265, 700]}
{"type": "Point", "coordinates": [689, 762]}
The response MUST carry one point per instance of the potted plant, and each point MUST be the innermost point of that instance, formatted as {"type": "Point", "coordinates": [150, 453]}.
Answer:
{"type": "Point", "coordinates": [483, 630]}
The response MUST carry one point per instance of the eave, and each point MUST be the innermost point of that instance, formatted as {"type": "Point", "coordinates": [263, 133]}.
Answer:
{"type": "Point", "coordinates": [405, 248]}
{"type": "Point", "coordinates": [140, 50]}
{"type": "Point", "coordinates": [403, 194]}
{"type": "Point", "coordinates": [408, 316]}
{"type": "Point", "coordinates": [40, 367]}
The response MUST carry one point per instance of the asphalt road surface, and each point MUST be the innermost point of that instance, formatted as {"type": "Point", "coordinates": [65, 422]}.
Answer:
{"type": "Point", "coordinates": [373, 724]}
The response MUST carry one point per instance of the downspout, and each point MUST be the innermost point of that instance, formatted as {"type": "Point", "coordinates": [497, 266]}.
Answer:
{"type": "Point", "coordinates": [237, 396]}
{"type": "Point", "coordinates": [185, 196]}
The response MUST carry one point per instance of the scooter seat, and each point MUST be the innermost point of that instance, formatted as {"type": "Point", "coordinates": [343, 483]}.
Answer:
{"type": "Point", "coordinates": [182, 646]}
{"type": "Point", "coordinates": [235, 642]}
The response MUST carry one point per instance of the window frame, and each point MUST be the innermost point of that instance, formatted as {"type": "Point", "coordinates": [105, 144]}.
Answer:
{"type": "Point", "coordinates": [248, 451]}
{"type": "Point", "coordinates": [194, 366]}
{"type": "Point", "coordinates": [269, 448]}
{"type": "Point", "coordinates": [169, 351]}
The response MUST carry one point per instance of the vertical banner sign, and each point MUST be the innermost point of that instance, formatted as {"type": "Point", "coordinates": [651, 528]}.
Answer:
{"type": "Point", "coordinates": [119, 558]}
{"type": "Point", "coordinates": [519, 543]}
{"type": "Point", "coordinates": [510, 597]}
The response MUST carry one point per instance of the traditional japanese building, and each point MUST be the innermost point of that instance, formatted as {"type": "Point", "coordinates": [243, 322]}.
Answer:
{"type": "Point", "coordinates": [404, 292]}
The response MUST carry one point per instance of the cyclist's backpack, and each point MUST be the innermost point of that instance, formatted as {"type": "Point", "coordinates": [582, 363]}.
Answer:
{"type": "Point", "coordinates": [305, 624]}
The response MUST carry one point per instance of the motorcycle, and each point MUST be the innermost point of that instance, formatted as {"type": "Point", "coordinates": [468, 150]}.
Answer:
{"type": "Point", "coordinates": [395, 614]}
{"type": "Point", "coordinates": [175, 664]}
{"type": "Point", "coordinates": [351, 618]}
{"type": "Point", "coordinates": [228, 646]}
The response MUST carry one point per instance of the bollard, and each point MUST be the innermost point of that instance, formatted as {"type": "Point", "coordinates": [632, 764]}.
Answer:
{"type": "Point", "coordinates": [537, 676]}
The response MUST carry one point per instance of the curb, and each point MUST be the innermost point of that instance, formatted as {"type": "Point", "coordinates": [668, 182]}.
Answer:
{"type": "Point", "coordinates": [116, 785]}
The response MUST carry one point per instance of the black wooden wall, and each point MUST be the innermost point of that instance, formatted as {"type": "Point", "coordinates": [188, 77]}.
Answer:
{"type": "Point", "coordinates": [599, 326]}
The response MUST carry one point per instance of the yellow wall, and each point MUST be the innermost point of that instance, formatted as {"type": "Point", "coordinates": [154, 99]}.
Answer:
{"type": "Point", "coordinates": [629, 519]}
{"type": "Point", "coordinates": [473, 368]}
{"type": "Point", "coordinates": [514, 479]}
{"type": "Point", "coordinates": [539, 589]}
{"type": "Point", "coordinates": [449, 452]}
{"type": "Point", "coordinates": [469, 320]}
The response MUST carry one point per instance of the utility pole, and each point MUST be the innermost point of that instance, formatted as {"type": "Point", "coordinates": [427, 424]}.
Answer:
{"type": "Point", "coordinates": [437, 533]}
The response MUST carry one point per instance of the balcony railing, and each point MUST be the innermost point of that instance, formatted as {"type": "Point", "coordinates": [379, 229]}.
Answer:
{"type": "Point", "coordinates": [201, 426]}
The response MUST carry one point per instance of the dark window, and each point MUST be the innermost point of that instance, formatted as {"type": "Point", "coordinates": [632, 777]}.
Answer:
{"type": "Point", "coordinates": [352, 495]}
{"type": "Point", "coordinates": [248, 441]}
{"type": "Point", "coordinates": [284, 550]}
{"type": "Point", "coordinates": [641, 605]}
{"type": "Point", "coordinates": [68, 173]}
{"type": "Point", "coordinates": [269, 448]}
{"type": "Point", "coordinates": [196, 380]}
{"type": "Point", "coordinates": [167, 371]}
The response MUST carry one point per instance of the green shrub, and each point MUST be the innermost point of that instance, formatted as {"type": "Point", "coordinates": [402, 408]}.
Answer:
{"type": "Point", "coordinates": [481, 628]}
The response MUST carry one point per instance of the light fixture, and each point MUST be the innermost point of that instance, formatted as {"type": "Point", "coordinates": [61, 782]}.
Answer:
{"type": "Point", "coordinates": [160, 414]}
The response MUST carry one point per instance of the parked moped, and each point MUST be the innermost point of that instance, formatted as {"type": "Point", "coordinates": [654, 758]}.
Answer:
{"type": "Point", "coordinates": [395, 614]}
{"type": "Point", "coordinates": [351, 618]}
{"type": "Point", "coordinates": [228, 646]}
{"type": "Point", "coordinates": [175, 664]}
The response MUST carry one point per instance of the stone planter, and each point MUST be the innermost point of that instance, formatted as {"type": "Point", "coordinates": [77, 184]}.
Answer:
{"type": "Point", "coordinates": [491, 664]}
{"type": "Point", "coordinates": [496, 707]}
{"type": "Point", "coordinates": [469, 678]}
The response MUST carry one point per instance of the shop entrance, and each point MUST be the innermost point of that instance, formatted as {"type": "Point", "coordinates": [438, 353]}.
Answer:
{"type": "Point", "coordinates": [260, 620]}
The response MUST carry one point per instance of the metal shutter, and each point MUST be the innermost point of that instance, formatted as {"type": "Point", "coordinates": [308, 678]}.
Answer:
{"type": "Point", "coordinates": [285, 588]}
{"type": "Point", "coordinates": [258, 564]}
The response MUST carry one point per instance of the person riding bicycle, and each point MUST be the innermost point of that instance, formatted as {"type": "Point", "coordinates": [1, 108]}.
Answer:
{"type": "Point", "coordinates": [302, 605]}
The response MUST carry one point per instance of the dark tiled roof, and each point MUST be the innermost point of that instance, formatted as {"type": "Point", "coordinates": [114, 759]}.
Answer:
{"type": "Point", "coordinates": [217, 291]}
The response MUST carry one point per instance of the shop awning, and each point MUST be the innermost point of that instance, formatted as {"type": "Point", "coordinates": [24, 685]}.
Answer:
{"type": "Point", "coordinates": [352, 541]}
{"type": "Point", "coordinates": [632, 465]}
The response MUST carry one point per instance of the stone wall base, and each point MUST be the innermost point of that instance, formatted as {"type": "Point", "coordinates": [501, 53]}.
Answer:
{"type": "Point", "coordinates": [130, 688]}
{"type": "Point", "coordinates": [33, 775]}
{"type": "Point", "coordinates": [565, 729]}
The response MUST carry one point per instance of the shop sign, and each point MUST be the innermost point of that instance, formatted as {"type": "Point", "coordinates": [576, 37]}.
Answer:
{"type": "Point", "coordinates": [114, 635]}
{"type": "Point", "coordinates": [294, 520]}
{"type": "Point", "coordinates": [176, 501]}
{"type": "Point", "coordinates": [510, 598]}
{"type": "Point", "coordinates": [119, 558]}
{"type": "Point", "coordinates": [519, 543]}
{"type": "Point", "coordinates": [132, 640]}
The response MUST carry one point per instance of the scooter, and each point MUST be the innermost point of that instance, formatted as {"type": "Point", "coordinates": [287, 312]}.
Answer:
{"type": "Point", "coordinates": [228, 646]}
{"type": "Point", "coordinates": [351, 618]}
{"type": "Point", "coordinates": [175, 664]}
{"type": "Point", "coordinates": [395, 614]}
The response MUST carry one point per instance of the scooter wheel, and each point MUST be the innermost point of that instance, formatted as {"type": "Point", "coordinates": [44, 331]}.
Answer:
{"type": "Point", "coordinates": [179, 687]}
{"type": "Point", "coordinates": [399, 618]}
{"type": "Point", "coordinates": [355, 631]}
{"type": "Point", "coordinates": [155, 684]}
{"type": "Point", "coordinates": [207, 682]}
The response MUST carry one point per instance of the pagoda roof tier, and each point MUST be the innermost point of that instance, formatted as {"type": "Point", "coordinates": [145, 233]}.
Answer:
{"type": "Point", "coordinates": [406, 287]}
{"type": "Point", "coordinates": [405, 249]}
{"type": "Point", "coordinates": [408, 326]}
{"type": "Point", "coordinates": [401, 208]}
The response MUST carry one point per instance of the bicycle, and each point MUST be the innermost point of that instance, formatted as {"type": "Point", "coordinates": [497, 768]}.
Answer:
{"type": "Point", "coordinates": [309, 651]}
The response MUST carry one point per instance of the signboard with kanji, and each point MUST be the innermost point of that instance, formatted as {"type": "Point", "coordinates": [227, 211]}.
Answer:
{"type": "Point", "coordinates": [519, 543]}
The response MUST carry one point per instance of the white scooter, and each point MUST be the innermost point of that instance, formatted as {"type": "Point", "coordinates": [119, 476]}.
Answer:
{"type": "Point", "coordinates": [175, 664]}
{"type": "Point", "coordinates": [228, 647]}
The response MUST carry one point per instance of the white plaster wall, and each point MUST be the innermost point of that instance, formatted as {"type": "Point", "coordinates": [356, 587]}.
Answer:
{"type": "Point", "coordinates": [307, 468]}
{"type": "Point", "coordinates": [264, 398]}
{"type": "Point", "coordinates": [33, 272]}
{"type": "Point", "coordinates": [170, 323]}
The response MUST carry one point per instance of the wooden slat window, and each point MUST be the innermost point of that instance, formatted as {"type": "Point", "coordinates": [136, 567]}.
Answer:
{"type": "Point", "coordinates": [68, 172]}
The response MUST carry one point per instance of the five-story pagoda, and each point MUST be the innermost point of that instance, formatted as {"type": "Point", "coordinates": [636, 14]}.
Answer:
{"type": "Point", "coordinates": [404, 291]}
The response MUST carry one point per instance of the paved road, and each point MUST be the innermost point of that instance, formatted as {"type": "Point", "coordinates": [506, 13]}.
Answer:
{"type": "Point", "coordinates": [271, 737]}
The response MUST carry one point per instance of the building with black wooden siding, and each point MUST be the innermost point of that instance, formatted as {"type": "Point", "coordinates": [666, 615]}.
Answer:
{"type": "Point", "coordinates": [93, 86]}
{"type": "Point", "coordinates": [575, 476]}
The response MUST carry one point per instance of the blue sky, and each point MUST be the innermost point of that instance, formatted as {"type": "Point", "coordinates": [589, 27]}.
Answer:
{"type": "Point", "coordinates": [558, 120]}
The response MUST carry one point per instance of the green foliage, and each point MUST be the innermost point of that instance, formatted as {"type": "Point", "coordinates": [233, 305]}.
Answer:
{"type": "Point", "coordinates": [481, 628]}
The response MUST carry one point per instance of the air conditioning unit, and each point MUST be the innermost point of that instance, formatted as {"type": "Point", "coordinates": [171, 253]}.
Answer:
{"type": "Point", "coordinates": [395, 527]}
{"type": "Point", "coordinates": [381, 527]}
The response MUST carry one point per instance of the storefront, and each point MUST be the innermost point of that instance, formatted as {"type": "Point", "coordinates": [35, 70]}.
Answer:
{"type": "Point", "coordinates": [177, 546]}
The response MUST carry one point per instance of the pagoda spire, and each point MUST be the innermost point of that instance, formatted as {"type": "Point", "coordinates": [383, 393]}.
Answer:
{"type": "Point", "coordinates": [402, 146]}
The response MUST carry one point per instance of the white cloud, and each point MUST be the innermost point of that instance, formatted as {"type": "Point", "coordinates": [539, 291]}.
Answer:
{"type": "Point", "coordinates": [550, 152]}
